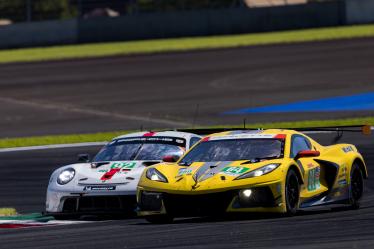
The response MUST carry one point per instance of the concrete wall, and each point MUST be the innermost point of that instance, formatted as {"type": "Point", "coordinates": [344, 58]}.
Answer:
{"type": "Point", "coordinates": [188, 23]}
{"type": "Point", "coordinates": [359, 11]}
{"type": "Point", "coordinates": [39, 34]}
{"type": "Point", "coordinates": [211, 22]}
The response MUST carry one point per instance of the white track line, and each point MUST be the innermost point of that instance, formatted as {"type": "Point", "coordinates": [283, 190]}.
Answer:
{"type": "Point", "coordinates": [94, 112]}
{"type": "Point", "coordinates": [75, 145]}
{"type": "Point", "coordinates": [53, 146]}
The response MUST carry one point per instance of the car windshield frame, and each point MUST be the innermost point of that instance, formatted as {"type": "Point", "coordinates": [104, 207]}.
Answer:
{"type": "Point", "coordinates": [182, 161]}
{"type": "Point", "coordinates": [139, 143]}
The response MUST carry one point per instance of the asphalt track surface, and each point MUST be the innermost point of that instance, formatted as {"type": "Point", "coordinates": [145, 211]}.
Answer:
{"type": "Point", "coordinates": [25, 177]}
{"type": "Point", "coordinates": [180, 89]}
{"type": "Point", "coordinates": [164, 91]}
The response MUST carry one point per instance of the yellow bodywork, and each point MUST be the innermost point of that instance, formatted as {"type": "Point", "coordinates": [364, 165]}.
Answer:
{"type": "Point", "coordinates": [275, 180]}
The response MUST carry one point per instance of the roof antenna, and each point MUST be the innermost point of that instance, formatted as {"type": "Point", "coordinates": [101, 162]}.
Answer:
{"type": "Point", "coordinates": [195, 115]}
{"type": "Point", "coordinates": [339, 135]}
{"type": "Point", "coordinates": [244, 123]}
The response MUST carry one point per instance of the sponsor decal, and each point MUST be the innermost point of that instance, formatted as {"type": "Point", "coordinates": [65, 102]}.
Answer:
{"type": "Point", "coordinates": [151, 139]}
{"type": "Point", "coordinates": [99, 188]}
{"type": "Point", "coordinates": [246, 132]}
{"type": "Point", "coordinates": [343, 172]}
{"type": "Point", "coordinates": [313, 179]}
{"type": "Point", "coordinates": [234, 170]}
{"type": "Point", "coordinates": [310, 165]}
{"type": "Point", "coordinates": [243, 136]}
{"type": "Point", "coordinates": [348, 149]}
{"type": "Point", "coordinates": [185, 171]}
{"type": "Point", "coordinates": [342, 182]}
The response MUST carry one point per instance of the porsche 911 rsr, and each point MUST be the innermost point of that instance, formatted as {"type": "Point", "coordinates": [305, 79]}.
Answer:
{"type": "Point", "coordinates": [108, 183]}
{"type": "Point", "coordinates": [274, 170]}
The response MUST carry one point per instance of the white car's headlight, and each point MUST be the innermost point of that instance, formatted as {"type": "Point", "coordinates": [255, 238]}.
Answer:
{"type": "Point", "coordinates": [66, 176]}
{"type": "Point", "coordinates": [155, 175]}
{"type": "Point", "coordinates": [260, 171]}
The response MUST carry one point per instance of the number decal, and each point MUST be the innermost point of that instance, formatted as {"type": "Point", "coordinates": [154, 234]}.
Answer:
{"type": "Point", "coordinates": [313, 179]}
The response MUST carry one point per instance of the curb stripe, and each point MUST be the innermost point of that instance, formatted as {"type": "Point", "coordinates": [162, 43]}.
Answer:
{"type": "Point", "coordinates": [52, 146]}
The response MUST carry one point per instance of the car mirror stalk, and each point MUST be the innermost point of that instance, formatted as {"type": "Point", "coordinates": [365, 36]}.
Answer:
{"type": "Point", "coordinates": [306, 153]}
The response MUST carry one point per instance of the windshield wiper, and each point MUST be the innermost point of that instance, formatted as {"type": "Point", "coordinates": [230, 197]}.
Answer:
{"type": "Point", "coordinates": [98, 164]}
{"type": "Point", "coordinates": [133, 156]}
{"type": "Point", "coordinates": [185, 164]}
{"type": "Point", "coordinates": [258, 159]}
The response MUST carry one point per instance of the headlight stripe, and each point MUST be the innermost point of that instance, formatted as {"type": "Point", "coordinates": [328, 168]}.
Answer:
{"type": "Point", "coordinates": [260, 171]}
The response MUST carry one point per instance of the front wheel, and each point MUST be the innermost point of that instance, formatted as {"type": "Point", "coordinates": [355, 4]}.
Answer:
{"type": "Point", "coordinates": [292, 190]}
{"type": "Point", "coordinates": [159, 219]}
{"type": "Point", "coordinates": [356, 186]}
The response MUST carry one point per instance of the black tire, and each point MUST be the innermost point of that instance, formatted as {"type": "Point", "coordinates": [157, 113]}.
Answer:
{"type": "Point", "coordinates": [66, 217]}
{"type": "Point", "coordinates": [292, 193]}
{"type": "Point", "coordinates": [159, 219]}
{"type": "Point", "coordinates": [356, 186]}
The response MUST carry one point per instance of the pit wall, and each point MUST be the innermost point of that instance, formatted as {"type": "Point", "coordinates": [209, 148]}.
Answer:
{"type": "Point", "coordinates": [187, 24]}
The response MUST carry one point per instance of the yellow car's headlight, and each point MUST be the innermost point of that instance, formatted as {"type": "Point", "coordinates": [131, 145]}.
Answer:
{"type": "Point", "coordinates": [260, 171]}
{"type": "Point", "coordinates": [155, 175]}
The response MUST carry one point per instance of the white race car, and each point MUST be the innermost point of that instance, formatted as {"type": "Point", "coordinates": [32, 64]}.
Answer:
{"type": "Point", "coordinates": [107, 185]}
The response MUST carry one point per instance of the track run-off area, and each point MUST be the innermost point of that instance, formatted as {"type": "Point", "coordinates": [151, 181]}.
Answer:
{"type": "Point", "coordinates": [172, 90]}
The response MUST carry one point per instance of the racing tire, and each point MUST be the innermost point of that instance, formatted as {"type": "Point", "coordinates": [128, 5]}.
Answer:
{"type": "Point", "coordinates": [66, 217]}
{"type": "Point", "coordinates": [356, 186]}
{"type": "Point", "coordinates": [292, 193]}
{"type": "Point", "coordinates": [159, 219]}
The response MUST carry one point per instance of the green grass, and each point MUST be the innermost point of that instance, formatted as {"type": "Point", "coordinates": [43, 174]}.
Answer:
{"type": "Point", "coordinates": [59, 139]}
{"type": "Point", "coordinates": [107, 136]}
{"type": "Point", "coordinates": [7, 212]}
{"type": "Point", "coordinates": [183, 44]}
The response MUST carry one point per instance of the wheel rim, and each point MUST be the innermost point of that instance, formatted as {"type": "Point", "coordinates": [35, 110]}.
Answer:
{"type": "Point", "coordinates": [292, 191]}
{"type": "Point", "coordinates": [356, 185]}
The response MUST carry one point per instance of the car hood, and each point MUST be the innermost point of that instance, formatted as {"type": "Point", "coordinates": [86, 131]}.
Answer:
{"type": "Point", "coordinates": [117, 172]}
{"type": "Point", "coordinates": [205, 175]}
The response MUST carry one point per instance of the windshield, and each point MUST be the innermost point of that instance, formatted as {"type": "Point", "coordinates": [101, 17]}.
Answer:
{"type": "Point", "coordinates": [234, 150]}
{"type": "Point", "coordinates": [141, 148]}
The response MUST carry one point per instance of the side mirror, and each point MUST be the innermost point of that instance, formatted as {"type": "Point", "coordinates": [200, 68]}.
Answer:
{"type": "Point", "coordinates": [84, 158]}
{"type": "Point", "coordinates": [170, 159]}
{"type": "Point", "coordinates": [307, 153]}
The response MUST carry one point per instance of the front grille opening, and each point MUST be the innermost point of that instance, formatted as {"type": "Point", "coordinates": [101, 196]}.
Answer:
{"type": "Point", "coordinates": [204, 204]}
{"type": "Point", "coordinates": [100, 204]}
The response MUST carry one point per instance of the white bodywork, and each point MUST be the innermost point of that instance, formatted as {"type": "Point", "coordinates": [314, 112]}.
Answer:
{"type": "Point", "coordinates": [88, 179]}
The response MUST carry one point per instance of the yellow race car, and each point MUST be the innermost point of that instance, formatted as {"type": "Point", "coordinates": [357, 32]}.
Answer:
{"type": "Point", "coordinates": [273, 170]}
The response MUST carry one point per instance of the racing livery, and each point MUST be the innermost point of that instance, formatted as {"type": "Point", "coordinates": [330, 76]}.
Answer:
{"type": "Point", "coordinates": [108, 183]}
{"type": "Point", "coordinates": [273, 170]}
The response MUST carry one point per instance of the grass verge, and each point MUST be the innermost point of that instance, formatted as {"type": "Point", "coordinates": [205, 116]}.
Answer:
{"type": "Point", "coordinates": [7, 212]}
{"type": "Point", "coordinates": [107, 136]}
{"type": "Point", "coordinates": [183, 44]}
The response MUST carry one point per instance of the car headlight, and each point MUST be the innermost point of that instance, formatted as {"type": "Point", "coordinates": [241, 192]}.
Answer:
{"type": "Point", "coordinates": [155, 175]}
{"type": "Point", "coordinates": [260, 171]}
{"type": "Point", "coordinates": [66, 176]}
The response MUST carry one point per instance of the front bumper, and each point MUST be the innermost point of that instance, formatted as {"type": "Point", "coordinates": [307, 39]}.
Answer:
{"type": "Point", "coordinates": [262, 199]}
{"type": "Point", "coordinates": [61, 203]}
